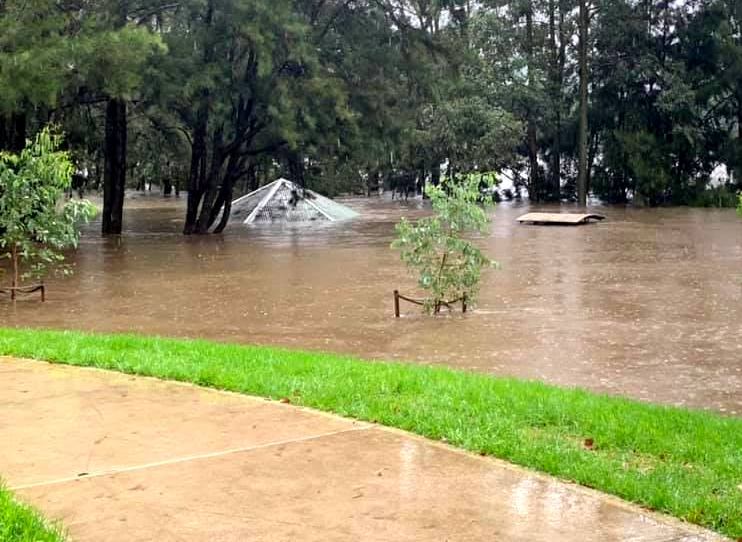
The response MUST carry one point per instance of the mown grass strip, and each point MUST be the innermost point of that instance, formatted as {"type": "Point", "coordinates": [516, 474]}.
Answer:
{"type": "Point", "coordinates": [20, 523]}
{"type": "Point", "coordinates": [682, 462]}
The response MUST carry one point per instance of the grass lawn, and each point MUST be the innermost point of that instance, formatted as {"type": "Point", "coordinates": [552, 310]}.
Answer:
{"type": "Point", "coordinates": [19, 523]}
{"type": "Point", "coordinates": [682, 462]}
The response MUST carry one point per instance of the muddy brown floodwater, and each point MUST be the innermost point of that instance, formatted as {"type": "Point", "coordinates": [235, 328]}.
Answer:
{"type": "Point", "coordinates": [647, 304]}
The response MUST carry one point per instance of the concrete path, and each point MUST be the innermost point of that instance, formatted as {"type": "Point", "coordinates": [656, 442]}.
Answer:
{"type": "Point", "coordinates": [120, 458]}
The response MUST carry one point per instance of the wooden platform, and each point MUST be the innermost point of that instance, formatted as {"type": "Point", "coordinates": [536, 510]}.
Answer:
{"type": "Point", "coordinates": [571, 219]}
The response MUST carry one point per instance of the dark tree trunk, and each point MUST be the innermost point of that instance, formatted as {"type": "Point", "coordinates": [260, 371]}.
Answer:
{"type": "Point", "coordinates": [13, 132]}
{"type": "Point", "coordinates": [212, 185]}
{"type": "Point", "coordinates": [435, 174]}
{"type": "Point", "coordinates": [534, 188]}
{"type": "Point", "coordinates": [582, 142]}
{"type": "Point", "coordinates": [296, 168]}
{"type": "Point", "coordinates": [196, 177]}
{"type": "Point", "coordinates": [18, 131]}
{"type": "Point", "coordinates": [251, 178]}
{"type": "Point", "coordinates": [114, 175]}
{"type": "Point", "coordinates": [224, 203]}
{"type": "Point", "coordinates": [224, 198]}
{"type": "Point", "coordinates": [557, 43]}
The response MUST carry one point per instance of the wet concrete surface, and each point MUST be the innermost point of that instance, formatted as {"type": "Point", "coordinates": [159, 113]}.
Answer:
{"type": "Point", "coordinates": [165, 461]}
{"type": "Point", "coordinates": [647, 304]}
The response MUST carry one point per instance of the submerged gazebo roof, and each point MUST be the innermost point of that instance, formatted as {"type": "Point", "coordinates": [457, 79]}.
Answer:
{"type": "Point", "coordinates": [284, 201]}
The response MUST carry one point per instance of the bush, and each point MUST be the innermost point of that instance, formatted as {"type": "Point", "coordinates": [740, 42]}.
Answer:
{"type": "Point", "coordinates": [449, 266]}
{"type": "Point", "coordinates": [34, 229]}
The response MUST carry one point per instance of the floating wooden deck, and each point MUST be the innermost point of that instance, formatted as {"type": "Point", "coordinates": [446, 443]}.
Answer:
{"type": "Point", "coordinates": [571, 219]}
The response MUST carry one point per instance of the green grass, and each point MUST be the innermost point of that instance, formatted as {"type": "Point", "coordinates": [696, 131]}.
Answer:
{"type": "Point", "coordinates": [681, 462]}
{"type": "Point", "coordinates": [20, 523]}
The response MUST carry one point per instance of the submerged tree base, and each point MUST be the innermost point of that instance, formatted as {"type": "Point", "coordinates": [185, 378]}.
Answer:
{"type": "Point", "coordinates": [13, 291]}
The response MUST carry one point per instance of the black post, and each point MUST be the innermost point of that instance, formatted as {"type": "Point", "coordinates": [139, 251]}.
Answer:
{"type": "Point", "coordinates": [396, 303]}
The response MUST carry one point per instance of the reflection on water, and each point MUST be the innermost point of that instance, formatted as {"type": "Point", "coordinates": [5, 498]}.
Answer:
{"type": "Point", "coordinates": [647, 304]}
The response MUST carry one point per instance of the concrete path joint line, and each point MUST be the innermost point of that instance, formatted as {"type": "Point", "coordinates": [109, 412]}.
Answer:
{"type": "Point", "coordinates": [185, 459]}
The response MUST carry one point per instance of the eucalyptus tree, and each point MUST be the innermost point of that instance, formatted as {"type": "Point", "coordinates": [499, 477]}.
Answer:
{"type": "Point", "coordinates": [243, 79]}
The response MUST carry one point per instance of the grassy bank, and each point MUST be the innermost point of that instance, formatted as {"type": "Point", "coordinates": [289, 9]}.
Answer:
{"type": "Point", "coordinates": [19, 523]}
{"type": "Point", "coordinates": [685, 463]}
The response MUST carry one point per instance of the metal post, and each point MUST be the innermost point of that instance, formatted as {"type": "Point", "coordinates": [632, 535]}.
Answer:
{"type": "Point", "coordinates": [396, 303]}
{"type": "Point", "coordinates": [463, 303]}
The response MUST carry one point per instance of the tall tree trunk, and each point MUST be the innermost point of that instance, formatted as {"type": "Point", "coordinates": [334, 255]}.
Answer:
{"type": "Point", "coordinates": [15, 274]}
{"type": "Point", "coordinates": [18, 123]}
{"type": "Point", "coordinates": [13, 132]}
{"type": "Point", "coordinates": [555, 88]}
{"type": "Point", "coordinates": [212, 185]}
{"type": "Point", "coordinates": [535, 189]}
{"type": "Point", "coordinates": [296, 167]}
{"type": "Point", "coordinates": [114, 174]}
{"type": "Point", "coordinates": [251, 178]}
{"type": "Point", "coordinates": [583, 128]}
{"type": "Point", "coordinates": [197, 174]}
{"type": "Point", "coordinates": [557, 44]}
{"type": "Point", "coordinates": [223, 203]}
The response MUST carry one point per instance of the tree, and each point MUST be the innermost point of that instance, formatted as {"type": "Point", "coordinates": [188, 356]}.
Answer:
{"type": "Point", "coordinates": [33, 53]}
{"type": "Point", "coordinates": [115, 45]}
{"type": "Point", "coordinates": [34, 231]}
{"type": "Point", "coordinates": [449, 266]}
{"type": "Point", "coordinates": [582, 137]}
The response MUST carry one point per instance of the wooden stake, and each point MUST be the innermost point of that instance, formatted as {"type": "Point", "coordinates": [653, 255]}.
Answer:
{"type": "Point", "coordinates": [396, 303]}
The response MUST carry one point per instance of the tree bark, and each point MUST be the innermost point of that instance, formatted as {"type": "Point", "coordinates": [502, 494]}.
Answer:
{"type": "Point", "coordinates": [114, 171]}
{"type": "Point", "coordinates": [15, 282]}
{"type": "Point", "coordinates": [212, 185]}
{"type": "Point", "coordinates": [557, 43]}
{"type": "Point", "coordinates": [18, 123]}
{"type": "Point", "coordinates": [13, 132]}
{"type": "Point", "coordinates": [535, 189]}
{"type": "Point", "coordinates": [196, 177]}
{"type": "Point", "coordinates": [296, 167]}
{"type": "Point", "coordinates": [114, 174]}
{"type": "Point", "coordinates": [225, 205]}
{"type": "Point", "coordinates": [584, 20]}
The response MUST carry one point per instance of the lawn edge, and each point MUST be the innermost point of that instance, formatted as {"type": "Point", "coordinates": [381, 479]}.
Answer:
{"type": "Point", "coordinates": [330, 357]}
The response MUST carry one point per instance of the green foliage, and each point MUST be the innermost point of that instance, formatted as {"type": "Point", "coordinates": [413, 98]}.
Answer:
{"type": "Point", "coordinates": [356, 91]}
{"type": "Point", "coordinates": [448, 265]}
{"type": "Point", "coordinates": [34, 230]}
{"type": "Point", "coordinates": [722, 196]}
{"type": "Point", "coordinates": [739, 206]}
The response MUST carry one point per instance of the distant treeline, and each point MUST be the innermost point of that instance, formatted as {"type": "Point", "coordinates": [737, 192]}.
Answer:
{"type": "Point", "coordinates": [625, 99]}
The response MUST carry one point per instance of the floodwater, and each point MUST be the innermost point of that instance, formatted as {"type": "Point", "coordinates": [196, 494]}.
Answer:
{"type": "Point", "coordinates": [647, 304]}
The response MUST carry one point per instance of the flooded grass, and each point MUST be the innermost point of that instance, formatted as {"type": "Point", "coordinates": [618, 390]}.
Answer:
{"type": "Point", "coordinates": [682, 462]}
{"type": "Point", "coordinates": [20, 523]}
